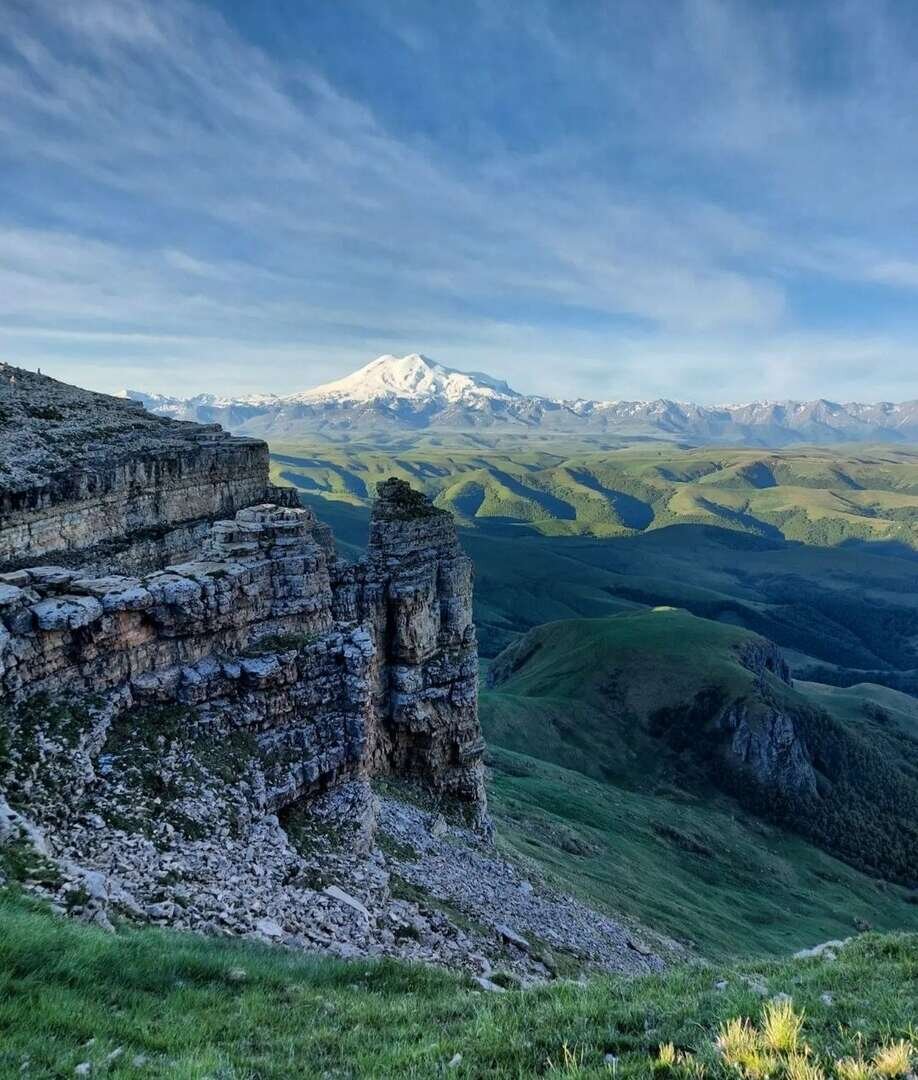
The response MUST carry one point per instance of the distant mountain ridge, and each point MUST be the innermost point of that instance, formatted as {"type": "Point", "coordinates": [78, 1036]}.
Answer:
{"type": "Point", "coordinates": [414, 393]}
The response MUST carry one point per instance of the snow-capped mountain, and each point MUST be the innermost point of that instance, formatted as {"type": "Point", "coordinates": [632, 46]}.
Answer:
{"type": "Point", "coordinates": [410, 378]}
{"type": "Point", "coordinates": [412, 392]}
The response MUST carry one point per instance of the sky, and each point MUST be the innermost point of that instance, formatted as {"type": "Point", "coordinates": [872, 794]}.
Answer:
{"type": "Point", "coordinates": [697, 199]}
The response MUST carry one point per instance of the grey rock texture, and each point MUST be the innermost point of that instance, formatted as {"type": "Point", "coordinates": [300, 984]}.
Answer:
{"type": "Point", "coordinates": [468, 874]}
{"type": "Point", "coordinates": [767, 743]}
{"type": "Point", "coordinates": [190, 741]}
{"type": "Point", "coordinates": [765, 740]}
{"type": "Point", "coordinates": [761, 657]}
{"type": "Point", "coordinates": [428, 641]}
{"type": "Point", "coordinates": [97, 480]}
{"type": "Point", "coordinates": [337, 670]}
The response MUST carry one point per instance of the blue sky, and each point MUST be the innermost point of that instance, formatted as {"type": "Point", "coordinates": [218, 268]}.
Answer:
{"type": "Point", "coordinates": [685, 198]}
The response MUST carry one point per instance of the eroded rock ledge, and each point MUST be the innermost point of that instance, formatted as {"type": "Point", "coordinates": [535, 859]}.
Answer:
{"type": "Point", "coordinates": [339, 670]}
{"type": "Point", "coordinates": [95, 481]}
{"type": "Point", "coordinates": [197, 696]}
{"type": "Point", "coordinates": [195, 747]}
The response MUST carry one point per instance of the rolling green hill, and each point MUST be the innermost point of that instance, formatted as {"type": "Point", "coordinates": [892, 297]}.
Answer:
{"type": "Point", "coordinates": [662, 698]}
{"type": "Point", "coordinates": [637, 801]}
{"type": "Point", "coordinates": [823, 496]}
{"type": "Point", "coordinates": [593, 689]}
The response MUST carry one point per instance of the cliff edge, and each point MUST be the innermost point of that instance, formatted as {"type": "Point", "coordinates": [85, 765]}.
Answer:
{"type": "Point", "coordinates": [92, 480]}
{"type": "Point", "coordinates": [253, 736]}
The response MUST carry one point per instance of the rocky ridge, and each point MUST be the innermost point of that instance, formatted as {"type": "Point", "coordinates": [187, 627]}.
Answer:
{"type": "Point", "coordinates": [97, 481]}
{"type": "Point", "coordinates": [196, 745]}
{"type": "Point", "coordinates": [414, 393]}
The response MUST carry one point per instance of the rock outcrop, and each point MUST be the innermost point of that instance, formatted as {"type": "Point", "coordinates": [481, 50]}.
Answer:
{"type": "Point", "coordinates": [189, 737]}
{"type": "Point", "coordinates": [97, 482]}
{"type": "Point", "coordinates": [338, 670]}
{"type": "Point", "coordinates": [765, 741]}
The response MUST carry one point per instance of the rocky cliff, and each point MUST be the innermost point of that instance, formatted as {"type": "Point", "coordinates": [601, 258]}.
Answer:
{"type": "Point", "coordinates": [765, 743]}
{"type": "Point", "coordinates": [192, 737]}
{"type": "Point", "coordinates": [96, 481]}
{"type": "Point", "coordinates": [338, 670]}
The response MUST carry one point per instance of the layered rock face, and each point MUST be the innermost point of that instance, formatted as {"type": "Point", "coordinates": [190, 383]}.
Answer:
{"type": "Point", "coordinates": [428, 640]}
{"type": "Point", "coordinates": [195, 696]}
{"type": "Point", "coordinates": [337, 670]}
{"type": "Point", "coordinates": [96, 481]}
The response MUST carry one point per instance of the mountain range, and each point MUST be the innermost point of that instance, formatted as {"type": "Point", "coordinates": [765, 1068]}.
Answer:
{"type": "Point", "coordinates": [413, 393]}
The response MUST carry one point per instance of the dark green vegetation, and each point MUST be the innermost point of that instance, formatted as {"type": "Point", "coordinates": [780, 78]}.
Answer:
{"type": "Point", "coordinates": [815, 495]}
{"type": "Point", "coordinates": [697, 867]}
{"type": "Point", "coordinates": [187, 1007]}
{"type": "Point", "coordinates": [600, 811]}
{"type": "Point", "coordinates": [632, 802]}
{"type": "Point", "coordinates": [841, 615]}
{"type": "Point", "coordinates": [652, 699]}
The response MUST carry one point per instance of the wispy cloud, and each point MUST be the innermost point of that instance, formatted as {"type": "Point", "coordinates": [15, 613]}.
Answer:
{"type": "Point", "coordinates": [686, 199]}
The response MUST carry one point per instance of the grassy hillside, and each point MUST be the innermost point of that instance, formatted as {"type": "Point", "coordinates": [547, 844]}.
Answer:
{"type": "Point", "coordinates": [154, 1004]}
{"type": "Point", "coordinates": [698, 868]}
{"type": "Point", "coordinates": [891, 713]}
{"type": "Point", "coordinates": [814, 495]}
{"type": "Point", "coordinates": [647, 699]}
{"type": "Point", "coordinates": [591, 688]}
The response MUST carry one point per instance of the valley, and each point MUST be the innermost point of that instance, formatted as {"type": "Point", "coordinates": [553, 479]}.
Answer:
{"type": "Point", "coordinates": [819, 496]}
{"type": "Point", "coordinates": [585, 640]}
{"type": "Point", "coordinates": [613, 768]}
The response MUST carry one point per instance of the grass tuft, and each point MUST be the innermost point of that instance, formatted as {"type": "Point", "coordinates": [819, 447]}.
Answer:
{"type": "Point", "coordinates": [894, 1059]}
{"type": "Point", "coordinates": [853, 1068]}
{"type": "Point", "coordinates": [738, 1042]}
{"type": "Point", "coordinates": [781, 1027]}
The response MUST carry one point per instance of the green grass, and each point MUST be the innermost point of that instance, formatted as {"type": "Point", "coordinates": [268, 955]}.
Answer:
{"type": "Point", "coordinates": [841, 611]}
{"type": "Point", "coordinates": [698, 869]}
{"type": "Point", "coordinates": [888, 709]}
{"type": "Point", "coordinates": [827, 608]}
{"type": "Point", "coordinates": [649, 698]}
{"type": "Point", "coordinates": [586, 691]}
{"type": "Point", "coordinates": [71, 994]}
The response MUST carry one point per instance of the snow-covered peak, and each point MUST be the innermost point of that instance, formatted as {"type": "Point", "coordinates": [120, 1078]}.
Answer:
{"type": "Point", "coordinates": [416, 392]}
{"type": "Point", "coordinates": [164, 402]}
{"type": "Point", "coordinates": [412, 378]}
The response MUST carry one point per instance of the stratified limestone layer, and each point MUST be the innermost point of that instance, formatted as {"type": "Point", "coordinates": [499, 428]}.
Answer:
{"type": "Point", "coordinates": [429, 640]}
{"type": "Point", "coordinates": [88, 479]}
{"type": "Point", "coordinates": [339, 670]}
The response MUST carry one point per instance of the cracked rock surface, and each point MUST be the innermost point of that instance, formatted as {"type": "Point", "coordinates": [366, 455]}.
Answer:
{"type": "Point", "coordinates": [195, 745]}
{"type": "Point", "coordinates": [89, 478]}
